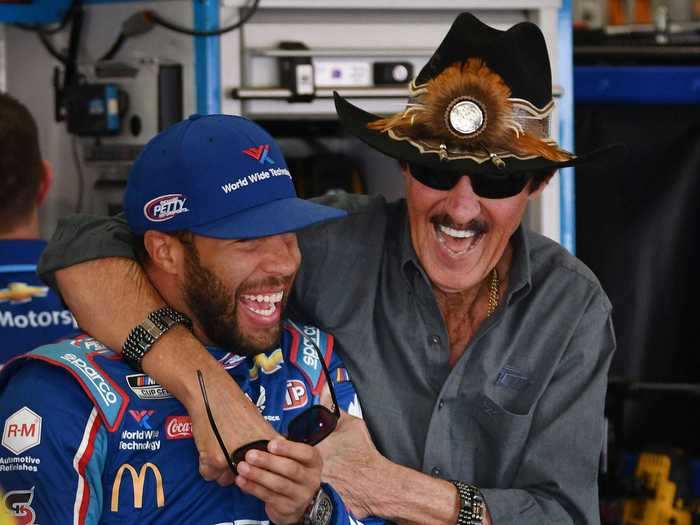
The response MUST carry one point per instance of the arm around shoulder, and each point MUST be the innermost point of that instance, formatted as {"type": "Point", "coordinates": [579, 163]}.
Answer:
{"type": "Point", "coordinates": [81, 238]}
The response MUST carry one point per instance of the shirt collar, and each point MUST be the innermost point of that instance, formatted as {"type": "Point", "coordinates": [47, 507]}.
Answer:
{"type": "Point", "coordinates": [520, 280]}
{"type": "Point", "coordinates": [14, 251]}
{"type": "Point", "coordinates": [407, 254]}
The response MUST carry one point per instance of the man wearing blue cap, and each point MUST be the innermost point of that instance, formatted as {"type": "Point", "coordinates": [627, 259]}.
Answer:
{"type": "Point", "coordinates": [87, 439]}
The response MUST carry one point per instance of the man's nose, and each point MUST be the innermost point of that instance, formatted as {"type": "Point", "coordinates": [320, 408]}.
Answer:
{"type": "Point", "coordinates": [462, 203]}
{"type": "Point", "coordinates": [282, 255]}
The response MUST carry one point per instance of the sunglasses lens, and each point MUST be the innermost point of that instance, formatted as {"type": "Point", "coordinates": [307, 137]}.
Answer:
{"type": "Point", "coordinates": [499, 186]}
{"type": "Point", "coordinates": [487, 186]}
{"type": "Point", "coordinates": [436, 179]}
{"type": "Point", "coordinates": [312, 426]}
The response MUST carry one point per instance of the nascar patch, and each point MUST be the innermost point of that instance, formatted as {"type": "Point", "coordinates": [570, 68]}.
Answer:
{"type": "Point", "coordinates": [145, 387]}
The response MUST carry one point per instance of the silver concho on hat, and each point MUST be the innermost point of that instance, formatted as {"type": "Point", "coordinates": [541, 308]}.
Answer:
{"type": "Point", "coordinates": [465, 117]}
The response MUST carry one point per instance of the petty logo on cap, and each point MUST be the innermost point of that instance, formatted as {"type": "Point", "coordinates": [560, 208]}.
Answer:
{"type": "Point", "coordinates": [165, 207]}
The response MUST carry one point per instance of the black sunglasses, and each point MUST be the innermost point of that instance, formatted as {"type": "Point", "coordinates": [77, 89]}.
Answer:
{"type": "Point", "coordinates": [496, 186]}
{"type": "Point", "coordinates": [312, 426]}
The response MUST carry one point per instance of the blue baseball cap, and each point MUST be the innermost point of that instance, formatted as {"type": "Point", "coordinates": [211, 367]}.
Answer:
{"type": "Point", "coordinates": [219, 176]}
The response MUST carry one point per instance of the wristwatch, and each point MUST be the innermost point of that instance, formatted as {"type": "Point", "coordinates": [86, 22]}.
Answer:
{"type": "Point", "coordinates": [144, 335]}
{"type": "Point", "coordinates": [320, 512]}
{"type": "Point", "coordinates": [471, 507]}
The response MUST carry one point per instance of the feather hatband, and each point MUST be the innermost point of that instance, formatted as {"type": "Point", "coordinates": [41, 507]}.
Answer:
{"type": "Point", "coordinates": [466, 112]}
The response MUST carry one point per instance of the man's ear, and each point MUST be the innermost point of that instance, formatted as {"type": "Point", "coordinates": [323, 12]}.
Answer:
{"type": "Point", "coordinates": [45, 182]}
{"type": "Point", "coordinates": [165, 251]}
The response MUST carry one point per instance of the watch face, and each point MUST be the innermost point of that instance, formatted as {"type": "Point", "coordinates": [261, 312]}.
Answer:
{"type": "Point", "coordinates": [324, 510]}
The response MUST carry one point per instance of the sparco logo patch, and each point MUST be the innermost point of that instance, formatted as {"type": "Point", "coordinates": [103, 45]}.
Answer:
{"type": "Point", "coordinates": [178, 427]}
{"type": "Point", "coordinates": [165, 207]}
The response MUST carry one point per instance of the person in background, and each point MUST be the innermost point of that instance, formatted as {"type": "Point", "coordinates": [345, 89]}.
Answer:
{"type": "Point", "coordinates": [479, 349]}
{"type": "Point", "coordinates": [96, 443]}
{"type": "Point", "coordinates": [30, 313]}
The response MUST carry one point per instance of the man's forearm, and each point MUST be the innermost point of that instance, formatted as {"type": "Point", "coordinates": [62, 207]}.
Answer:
{"type": "Point", "coordinates": [108, 297]}
{"type": "Point", "coordinates": [409, 497]}
{"type": "Point", "coordinates": [413, 498]}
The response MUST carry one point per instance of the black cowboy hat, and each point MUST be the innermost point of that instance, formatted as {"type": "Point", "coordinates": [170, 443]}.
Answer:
{"type": "Point", "coordinates": [480, 105]}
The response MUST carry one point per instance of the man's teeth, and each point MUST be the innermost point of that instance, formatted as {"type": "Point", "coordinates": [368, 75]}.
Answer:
{"type": "Point", "coordinates": [267, 298]}
{"type": "Point", "coordinates": [267, 311]}
{"type": "Point", "coordinates": [461, 234]}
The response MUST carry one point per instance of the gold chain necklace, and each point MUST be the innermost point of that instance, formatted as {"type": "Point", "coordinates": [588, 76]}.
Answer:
{"type": "Point", "coordinates": [494, 289]}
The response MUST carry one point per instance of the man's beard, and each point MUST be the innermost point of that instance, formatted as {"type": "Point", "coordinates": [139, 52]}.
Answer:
{"type": "Point", "coordinates": [215, 306]}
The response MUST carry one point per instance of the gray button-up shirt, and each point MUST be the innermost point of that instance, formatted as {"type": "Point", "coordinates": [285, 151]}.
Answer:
{"type": "Point", "coordinates": [520, 414]}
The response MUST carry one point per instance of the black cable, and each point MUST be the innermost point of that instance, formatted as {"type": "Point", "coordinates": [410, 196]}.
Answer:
{"type": "Point", "coordinates": [137, 24]}
{"type": "Point", "coordinates": [52, 30]}
{"type": "Point", "coordinates": [79, 172]}
{"type": "Point", "coordinates": [50, 48]}
{"type": "Point", "coordinates": [70, 77]}
{"type": "Point", "coordinates": [115, 47]}
{"type": "Point", "coordinates": [44, 32]}
{"type": "Point", "coordinates": [155, 17]}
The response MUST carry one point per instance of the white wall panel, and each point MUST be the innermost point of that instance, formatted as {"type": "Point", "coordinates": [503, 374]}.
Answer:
{"type": "Point", "coordinates": [29, 78]}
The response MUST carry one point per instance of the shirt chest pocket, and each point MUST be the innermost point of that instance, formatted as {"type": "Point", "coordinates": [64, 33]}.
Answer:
{"type": "Point", "coordinates": [502, 416]}
{"type": "Point", "coordinates": [500, 436]}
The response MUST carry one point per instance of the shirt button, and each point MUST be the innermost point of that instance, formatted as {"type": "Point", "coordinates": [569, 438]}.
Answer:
{"type": "Point", "coordinates": [435, 471]}
{"type": "Point", "coordinates": [435, 339]}
{"type": "Point", "coordinates": [441, 404]}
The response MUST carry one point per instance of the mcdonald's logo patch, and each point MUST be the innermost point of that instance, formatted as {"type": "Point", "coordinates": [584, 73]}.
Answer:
{"type": "Point", "coordinates": [138, 483]}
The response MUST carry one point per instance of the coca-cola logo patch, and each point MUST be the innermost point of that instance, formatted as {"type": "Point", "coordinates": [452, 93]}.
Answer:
{"type": "Point", "coordinates": [178, 427]}
{"type": "Point", "coordinates": [165, 207]}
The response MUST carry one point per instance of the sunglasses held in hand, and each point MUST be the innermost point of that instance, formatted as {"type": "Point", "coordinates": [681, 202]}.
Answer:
{"type": "Point", "coordinates": [312, 426]}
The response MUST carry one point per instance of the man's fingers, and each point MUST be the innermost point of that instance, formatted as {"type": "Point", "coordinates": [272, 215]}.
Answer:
{"type": "Point", "coordinates": [213, 466]}
{"type": "Point", "coordinates": [285, 467]}
{"type": "Point", "coordinates": [254, 489]}
{"type": "Point", "coordinates": [226, 478]}
{"type": "Point", "coordinates": [298, 452]}
{"type": "Point", "coordinates": [281, 503]}
{"type": "Point", "coordinates": [273, 481]}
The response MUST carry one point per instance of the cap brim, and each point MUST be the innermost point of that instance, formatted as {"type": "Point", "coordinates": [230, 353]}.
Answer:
{"type": "Point", "coordinates": [272, 218]}
{"type": "Point", "coordinates": [355, 121]}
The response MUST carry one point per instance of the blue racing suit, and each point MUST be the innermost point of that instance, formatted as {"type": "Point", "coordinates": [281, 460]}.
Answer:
{"type": "Point", "coordinates": [86, 440]}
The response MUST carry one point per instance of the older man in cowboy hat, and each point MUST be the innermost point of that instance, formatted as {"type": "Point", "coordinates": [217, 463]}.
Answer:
{"type": "Point", "coordinates": [479, 350]}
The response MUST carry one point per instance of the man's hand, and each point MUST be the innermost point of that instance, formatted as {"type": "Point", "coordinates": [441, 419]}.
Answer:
{"type": "Point", "coordinates": [238, 420]}
{"type": "Point", "coordinates": [371, 485]}
{"type": "Point", "coordinates": [286, 479]}
{"type": "Point", "coordinates": [352, 465]}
